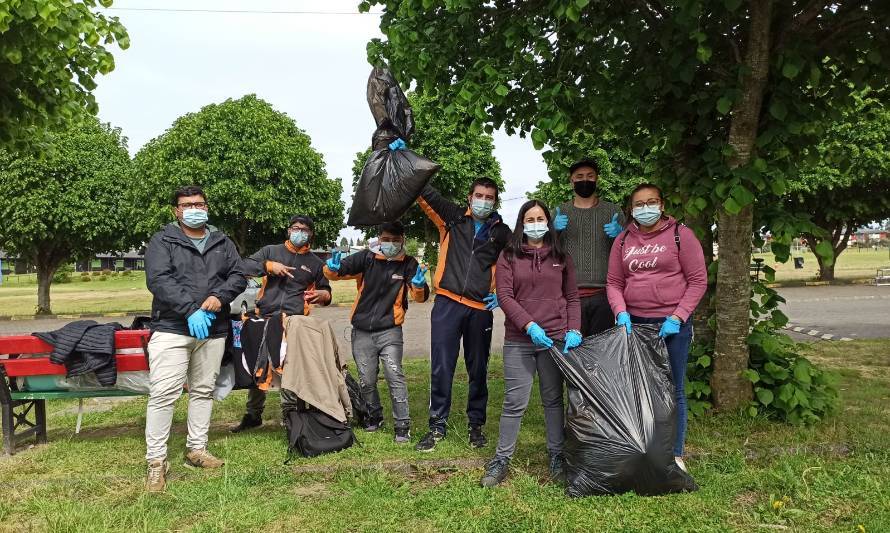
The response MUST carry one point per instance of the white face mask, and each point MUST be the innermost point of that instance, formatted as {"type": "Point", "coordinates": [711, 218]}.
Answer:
{"type": "Point", "coordinates": [535, 230]}
{"type": "Point", "coordinates": [482, 208]}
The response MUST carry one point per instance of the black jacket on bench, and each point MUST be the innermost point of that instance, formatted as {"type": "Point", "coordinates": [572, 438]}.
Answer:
{"type": "Point", "coordinates": [85, 346]}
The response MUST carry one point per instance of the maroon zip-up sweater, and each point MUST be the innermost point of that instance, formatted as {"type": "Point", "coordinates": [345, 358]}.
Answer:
{"type": "Point", "coordinates": [536, 287]}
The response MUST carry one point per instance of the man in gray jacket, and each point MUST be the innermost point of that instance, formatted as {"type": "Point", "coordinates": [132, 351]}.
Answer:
{"type": "Point", "coordinates": [193, 272]}
{"type": "Point", "coordinates": [588, 225]}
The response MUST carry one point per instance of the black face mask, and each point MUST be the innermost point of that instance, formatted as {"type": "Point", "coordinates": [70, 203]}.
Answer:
{"type": "Point", "coordinates": [584, 189]}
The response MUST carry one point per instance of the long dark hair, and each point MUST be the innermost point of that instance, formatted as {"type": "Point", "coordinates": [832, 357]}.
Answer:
{"type": "Point", "coordinates": [514, 247]}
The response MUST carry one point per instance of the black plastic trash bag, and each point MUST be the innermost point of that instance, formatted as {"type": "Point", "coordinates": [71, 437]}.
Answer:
{"type": "Point", "coordinates": [620, 421]}
{"type": "Point", "coordinates": [390, 180]}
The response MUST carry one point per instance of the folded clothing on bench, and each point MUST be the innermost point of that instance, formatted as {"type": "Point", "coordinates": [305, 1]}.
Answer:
{"type": "Point", "coordinates": [85, 346]}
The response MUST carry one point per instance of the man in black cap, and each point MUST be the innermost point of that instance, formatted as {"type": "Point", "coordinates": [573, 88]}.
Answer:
{"type": "Point", "coordinates": [588, 225]}
{"type": "Point", "coordinates": [293, 281]}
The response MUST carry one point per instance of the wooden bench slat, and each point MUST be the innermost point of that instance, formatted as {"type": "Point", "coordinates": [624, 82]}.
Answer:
{"type": "Point", "coordinates": [29, 344]}
{"type": "Point", "coordinates": [41, 366]}
{"type": "Point", "coordinates": [61, 395]}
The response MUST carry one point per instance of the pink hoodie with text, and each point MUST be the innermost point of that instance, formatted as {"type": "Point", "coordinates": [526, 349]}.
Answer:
{"type": "Point", "coordinates": [649, 277]}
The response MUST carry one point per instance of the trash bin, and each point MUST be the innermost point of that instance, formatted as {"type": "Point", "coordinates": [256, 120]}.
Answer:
{"type": "Point", "coordinates": [798, 262]}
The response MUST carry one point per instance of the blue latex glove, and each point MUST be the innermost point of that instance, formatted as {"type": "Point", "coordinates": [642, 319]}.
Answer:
{"type": "Point", "coordinates": [613, 228]}
{"type": "Point", "coordinates": [397, 144]}
{"type": "Point", "coordinates": [199, 322]}
{"type": "Point", "coordinates": [539, 337]}
{"type": "Point", "coordinates": [334, 262]}
{"type": "Point", "coordinates": [419, 279]}
{"type": "Point", "coordinates": [560, 221]}
{"type": "Point", "coordinates": [573, 340]}
{"type": "Point", "coordinates": [491, 301]}
{"type": "Point", "coordinates": [670, 326]}
{"type": "Point", "coordinates": [623, 319]}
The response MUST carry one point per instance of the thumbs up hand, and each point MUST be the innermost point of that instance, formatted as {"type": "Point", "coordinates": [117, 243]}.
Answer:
{"type": "Point", "coordinates": [613, 228]}
{"type": "Point", "coordinates": [560, 221]}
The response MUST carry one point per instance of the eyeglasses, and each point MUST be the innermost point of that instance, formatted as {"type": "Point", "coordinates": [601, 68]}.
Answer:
{"type": "Point", "coordinates": [651, 202]}
{"type": "Point", "coordinates": [299, 228]}
{"type": "Point", "coordinates": [193, 205]}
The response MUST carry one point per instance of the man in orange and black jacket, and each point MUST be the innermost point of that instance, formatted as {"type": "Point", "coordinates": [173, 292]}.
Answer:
{"type": "Point", "coordinates": [471, 238]}
{"type": "Point", "coordinates": [293, 281]}
{"type": "Point", "coordinates": [384, 280]}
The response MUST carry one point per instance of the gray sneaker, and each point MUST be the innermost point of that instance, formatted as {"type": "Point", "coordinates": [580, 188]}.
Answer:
{"type": "Point", "coordinates": [403, 436]}
{"type": "Point", "coordinates": [495, 472]}
{"type": "Point", "coordinates": [557, 468]}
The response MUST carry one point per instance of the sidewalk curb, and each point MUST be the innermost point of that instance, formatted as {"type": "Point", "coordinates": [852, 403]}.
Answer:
{"type": "Point", "coordinates": [815, 333]}
{"type": "Point", "coordinates": [784, 284]}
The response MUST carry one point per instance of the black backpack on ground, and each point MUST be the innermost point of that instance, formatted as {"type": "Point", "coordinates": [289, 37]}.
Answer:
{"type": "Point", "coordinates": [311, 433]}
{"type": "Point", "coordinates": [361, 410]}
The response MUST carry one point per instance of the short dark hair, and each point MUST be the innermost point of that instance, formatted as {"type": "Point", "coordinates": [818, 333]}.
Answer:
{"type": "Point", "coordinates": [586, 162]}
{"type": "Point", "coordinates": [488, 183]}
{"type": "Point", "coordinates": [394, 228]}
{"type": "Point", "coordinates": [188, 190]}
{"type": "Point", "coordinates": [302, 219]}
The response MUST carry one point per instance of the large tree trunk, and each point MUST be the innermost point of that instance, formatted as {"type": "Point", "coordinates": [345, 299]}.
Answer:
{"type": "Point", "coordinates": [840, 238]}
{"type": "Point", "coordinates": [45, 273]}
{"type": "Point", "coordinates": [731, 389]}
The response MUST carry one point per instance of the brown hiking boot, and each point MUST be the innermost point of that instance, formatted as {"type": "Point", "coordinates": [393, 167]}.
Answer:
{"type": "Point", "coordinates": [202, 459]}
{"type": "Point", "coordinates": [156, 480]}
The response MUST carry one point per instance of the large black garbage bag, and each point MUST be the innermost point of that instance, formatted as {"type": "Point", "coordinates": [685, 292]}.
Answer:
{"type": "Point", "coordinates": [620, 420]}
{"type": "Point", "coordinates": [390, 180]}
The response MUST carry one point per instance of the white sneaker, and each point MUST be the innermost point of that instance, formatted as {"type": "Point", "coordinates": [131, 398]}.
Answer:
{"type": "Point", "coordinates": [680, 463]}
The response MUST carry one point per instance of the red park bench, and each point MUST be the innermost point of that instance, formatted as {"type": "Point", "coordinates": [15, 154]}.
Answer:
{"type": "Point", "coordinates": [24, 412]}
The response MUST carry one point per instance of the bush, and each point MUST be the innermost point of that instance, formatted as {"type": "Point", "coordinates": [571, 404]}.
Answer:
{"type": "Point", "coordinates": [85, 277]}
{"type": "Point", "coordinates": [105, 272]}
{"type": "Point", "coordinates": [114, 274]}
{"type": "Point", "coordinates": [103, 277]}
{"type": "Point", "coordinates": [127, 272]}
{"type": "Point", "coordinates": [95, 273]}
{"type": "Point", "coordinates": [63, 274]}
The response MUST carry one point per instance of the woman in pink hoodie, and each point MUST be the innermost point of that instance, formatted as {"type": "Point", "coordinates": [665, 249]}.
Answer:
{"type": "Point", "coordinates": [536, 288]}
{"type": "Point", "coordinates": [657, 275]}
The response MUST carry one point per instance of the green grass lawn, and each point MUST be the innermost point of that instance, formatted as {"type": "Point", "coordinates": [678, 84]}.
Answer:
{"type": "Point", "coordinates": [832, 477]}
{"type": "Point", "coordinates": [18, 295]}
{"type": "Point", "coordinates": [852, 264]}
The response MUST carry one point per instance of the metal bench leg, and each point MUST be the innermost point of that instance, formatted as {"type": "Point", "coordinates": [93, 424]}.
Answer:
{"type": "Point", "coordinates": [79, 416]}
{"type": "Point", "coordinates": [8, 429]}
{"type": "Point", "coordinates": [40, 418]}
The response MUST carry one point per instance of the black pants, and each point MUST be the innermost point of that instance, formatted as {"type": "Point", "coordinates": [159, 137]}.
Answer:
{"type": "Point", "coordinates": [450, 321]}
{"type": "Point", "coordinates": [596, 314]}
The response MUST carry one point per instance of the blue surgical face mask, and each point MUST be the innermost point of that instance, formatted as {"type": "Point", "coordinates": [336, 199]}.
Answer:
{"type": "Point", "coordinates": [645, 215]}
{"type": "Point", "coordinates": [535, 230]}
{"type": "Point", "coordinates": [390, 249]}
{"type": "Point", "coordinates": [299, 238]}
{"type": "Point", "coordinates": [481, 208]}
{"type": "Point", "coordinates": [194, 218]}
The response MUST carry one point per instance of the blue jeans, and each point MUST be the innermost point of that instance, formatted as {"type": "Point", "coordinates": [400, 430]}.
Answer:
{"type": "Point", "coordinates": [678, 354]}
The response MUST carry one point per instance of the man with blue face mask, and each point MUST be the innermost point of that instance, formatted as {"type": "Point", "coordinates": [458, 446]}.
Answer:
{"type": "Point", "coordinates": [471, 237]}
{"type": "Point", "coordinates": [293, 281]}
{"type": "Point", "coordinates": [193, 272]}
{"type": "Point", "coordinates": [384, 281]}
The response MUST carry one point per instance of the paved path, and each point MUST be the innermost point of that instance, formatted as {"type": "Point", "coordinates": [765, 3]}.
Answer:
{"type": "Point", "coordinates": [850, 311]}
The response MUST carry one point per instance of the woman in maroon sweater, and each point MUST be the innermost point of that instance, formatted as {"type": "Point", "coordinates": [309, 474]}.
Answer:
{"type": "Point", "coordinates": [536, 289]}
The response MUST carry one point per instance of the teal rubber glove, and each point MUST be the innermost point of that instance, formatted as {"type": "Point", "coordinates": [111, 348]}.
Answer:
{"type": "Point", "coordinates": [572, 340]}
{"type": "Point", "coordinates": [560, 221]}
{"type": "Point", "coordinates": [670, 326]}
{"type": "Point", "coordinates": [199, 324]}
{"type": "Point", "coordinates": [623, 319]}
{"type": "Point", "coordinates": [491, 301]}
{"type": "Point", "coordinates": [334, 262]}
{"type": "Point", "coordinates": [397, 144]}
{"type": "Point", "coordinates": [613, 228]}
{"type": "Point", "coordinates": [419, 279]}
{"type": "Point", "coordinates": [538, 336]}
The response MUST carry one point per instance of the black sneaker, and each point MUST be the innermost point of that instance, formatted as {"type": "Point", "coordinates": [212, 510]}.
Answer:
{"type": "Point", "coordinates": [428, 442]}
{"type": "Point", "coordinates": [371, 427]}
{"type": "Point", "coordinates": [495, 472]}
{"type": "Point", "coordinates": [403, 435]}
{"type": "Point", "coordinates": [477, 438]}
{"type": "Point", "coordinates": [557, 468]}
{"type": "Point", "coordinates": [247, 422]}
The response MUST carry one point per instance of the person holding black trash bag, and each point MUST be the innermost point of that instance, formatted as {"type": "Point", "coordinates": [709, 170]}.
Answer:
{"type": "Point", "coordinates": [657, 275]}
{"type": "Point", "coordinates": [384, 281]}
{"type": "Point", "coordinates": [470, 239]}
{"type": "Point", "coordinates": [587, 225]}
{"type": "Point", "coordinates": [538, 293]}
{"type": "Point", "coordinates": [293, 280]}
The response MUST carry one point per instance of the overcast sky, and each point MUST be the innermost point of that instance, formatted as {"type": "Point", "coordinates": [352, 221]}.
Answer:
{"type": "Point", "coordinates": [311, 66]}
